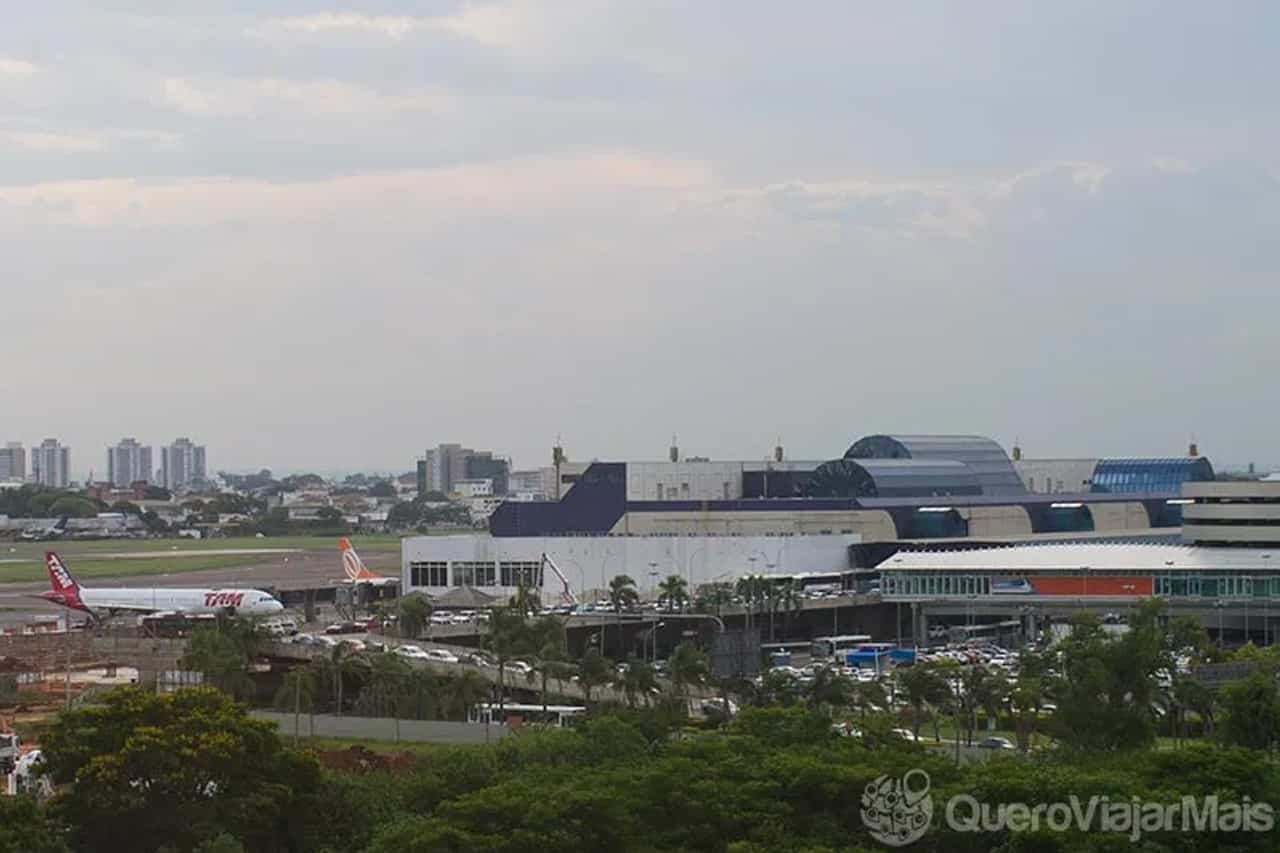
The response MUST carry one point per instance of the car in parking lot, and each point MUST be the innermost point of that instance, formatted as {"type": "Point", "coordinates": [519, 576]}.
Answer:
{"type": "Point", "coordinates": [345, 628]}
{"type": "Point", "coordinates": [412, 652]}
{"type": "Point", "coordinates": [904, 734]}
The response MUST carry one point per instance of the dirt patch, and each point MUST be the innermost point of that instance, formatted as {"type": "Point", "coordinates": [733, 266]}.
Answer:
{"type": "Point", "coordinates": [359, 759]}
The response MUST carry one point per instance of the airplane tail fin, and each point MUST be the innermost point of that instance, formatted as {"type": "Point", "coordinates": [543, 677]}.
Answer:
{"type": "Point", "coordinates": [60, 576]}
{"type": "Point", "coordinates": [351, 562]}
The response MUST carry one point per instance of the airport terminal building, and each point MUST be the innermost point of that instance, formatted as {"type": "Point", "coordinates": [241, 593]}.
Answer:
{"type": "Point", "coordinates": [715, 521]}
{"type": "Point", "coordinates": [1226, 568]}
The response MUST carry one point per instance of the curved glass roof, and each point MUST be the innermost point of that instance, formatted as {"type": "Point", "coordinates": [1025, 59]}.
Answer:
{"type": "Point", "coordinates": [1147, 476]}
{"type": "Point", "coordinates": [892, 478]}
{"type": "Point", "coordinates": [986, 459]}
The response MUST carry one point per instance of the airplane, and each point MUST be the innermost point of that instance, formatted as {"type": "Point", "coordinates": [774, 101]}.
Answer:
{"type": "Point", "coordinates": [40, 534]}
{"type": "Point", "coordinates": [159, 601]}
{"type": "Point", "coordinates": [357, 572]}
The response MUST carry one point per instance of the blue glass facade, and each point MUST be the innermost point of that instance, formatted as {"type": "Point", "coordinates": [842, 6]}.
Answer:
{"type": "Point", "coordinates": [1149, 476]}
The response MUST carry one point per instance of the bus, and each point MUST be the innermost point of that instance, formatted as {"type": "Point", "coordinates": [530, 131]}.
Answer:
{"type": "Point", "coordinates": [826, 648]}
{"type": "Point", "coordinates": [516, 714]}
{"type": "Point", "coordinates": [995, 632]}
{"type": "Point", "coordinates": [780, 654]}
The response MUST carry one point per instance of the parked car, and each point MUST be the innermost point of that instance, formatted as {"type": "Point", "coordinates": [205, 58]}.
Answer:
{"type": "Point", "coordinates": [345, 628]}
{"type": "Point", "coordinates": [905, 734]}
{"type": "Point", "coordinates": [412, 652]}
{"type": "Point", "coordinates": [997, 743]}
{"type": "Point", "coordinates": [441, 618]}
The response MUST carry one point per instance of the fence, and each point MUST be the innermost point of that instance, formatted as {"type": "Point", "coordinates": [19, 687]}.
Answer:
{"type": "Point", "coordinates": [384, 729]}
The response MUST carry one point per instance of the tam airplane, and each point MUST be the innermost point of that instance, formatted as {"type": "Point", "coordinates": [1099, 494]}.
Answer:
{"type": "Point", "coordinates": [68, 592]}
{"type": "Point", "coordinates": [357, 571]}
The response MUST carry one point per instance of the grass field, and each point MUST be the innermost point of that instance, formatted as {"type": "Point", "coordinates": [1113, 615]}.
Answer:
{"type": "Point", "coordinates": [69, 549]}
{"type": "Point", "coordinates": [85, 569]}
{"type": "Point", "coordinates": [93, 559]}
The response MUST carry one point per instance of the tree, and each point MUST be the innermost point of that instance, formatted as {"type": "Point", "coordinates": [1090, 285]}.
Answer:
{"type": "Point", "coordinates": [526, 601]}
{"type": "Point", "coordinates": [508, 636]}
{"type": "Point", "coordinates": [1252, 712]}
{"type": "Point", "coordinates": [24, 828]}
{"type": "Point", "coordinates": [222, 654]}
{"type": "Point", "coordinates": [415, 614]}
{"type": "Point", "coordinates": [636, 679]}
{"type": "Point", "coordinates": [73, 506]}
{"type": "Point", "coordinates": [921, 685]}
{"type": "Point", "coordinates": [594, 670]}
{"type": "Point", "coordinates": [1108, 687]}
{"type": "Point", "coordinates": [382, 489]}
{"type": "Point", "coordinates": [829, 690]}
{"type": "Point", "coordinates": [674, 592]}
{"type": "Point", "coordinates": [144, 772]}
{"type": "Point", "coordinates": [622, 596]}
{"type": "Point", "coordinates": [404, 515]}
{"type": "Point", "coordinates": [157, 493]}
{"type": "Point", "coordinates": [689, 667]}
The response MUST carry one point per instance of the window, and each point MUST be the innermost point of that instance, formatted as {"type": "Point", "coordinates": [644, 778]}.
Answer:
{"type": "Point", "coordinates": [429, 573]}
{"type": "Point", "coordinates": [520, 573]}
{"type": "Point", "coordinates": [473, 573]}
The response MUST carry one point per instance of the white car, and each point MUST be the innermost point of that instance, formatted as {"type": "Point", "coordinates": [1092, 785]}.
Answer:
{"type": "Point", "coordinates": [905, 734]}
{"type": "Point", "coordinates": [413, 652]}
{"type": "Point", "coordinates": [441, 656]}
{"type": "Point", "coordinates": [519, 666]}
{"type": "Point", "coordinates": [441, 619]}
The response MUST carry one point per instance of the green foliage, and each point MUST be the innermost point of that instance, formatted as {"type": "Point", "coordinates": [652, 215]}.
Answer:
{"type": "Point", "coordinates": [143, 771]}
{"type": "Point", "coordinates": [25, 829]}
{"type": "Point", "coordinates": [74, 506]}
{"type": "Point", "coordinates": [1107, 690]}
{"type": "Point", "coordinates": [222, 653]}
{"type": "Point", "coordinates": [1252, 709]}
{"type": "Point", "coordinates": [414, 615]}
{"type": "Point", "coordinates": [225, 843]}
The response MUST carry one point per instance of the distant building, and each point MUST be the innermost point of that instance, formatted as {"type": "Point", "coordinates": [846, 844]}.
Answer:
{"type": "Point", "coordinates": [13, 462]}
{"type": "Point", "coordinates": [182, 464]}
{"type": "Point", "coordinates": [129, 462]}
{"type": "Point", "coordinates": [51, 464]}
{"type": "Point", "coordinates": [535, 484]}
{"type": "Point", "coordinates": [442, 467]}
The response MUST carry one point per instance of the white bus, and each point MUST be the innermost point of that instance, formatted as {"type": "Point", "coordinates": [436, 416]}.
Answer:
{"type": "Point", "coordinates": [826, 648]}
{"type": "Point", "coordinates": [558, 716]}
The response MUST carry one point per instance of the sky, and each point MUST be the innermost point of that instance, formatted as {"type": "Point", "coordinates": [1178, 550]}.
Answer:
{"type": "Point", "coordinates": [328, 237]}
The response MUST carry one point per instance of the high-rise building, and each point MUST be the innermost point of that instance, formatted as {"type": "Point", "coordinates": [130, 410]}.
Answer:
{"type": "Point", "coordinates": [442, 467]}
{"type": "Point", "coordinates": [182, 464]}
{"type": "Point", "coordinates": [129, 462]}
{"type": "Point", "coordinates": [13, 461]}
{"type": "Point", "coordinates": [51, 464]}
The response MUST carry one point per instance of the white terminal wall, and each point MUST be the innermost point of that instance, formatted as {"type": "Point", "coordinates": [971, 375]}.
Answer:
{"type": "Point", "coordinates": [589, 562]}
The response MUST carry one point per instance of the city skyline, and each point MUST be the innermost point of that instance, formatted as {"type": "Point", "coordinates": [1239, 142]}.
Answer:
{"type": "Point", "coordinates": [613, 223]}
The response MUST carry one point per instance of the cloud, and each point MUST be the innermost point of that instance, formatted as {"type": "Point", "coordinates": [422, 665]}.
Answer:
{"type": "Point", "coordinates": [85, 142]}
{"type": "Point", "coordinates": [237, 97]}
{"type": "Point", "coordinates": [387, 26]}
{"type": "Point", "coordinates": [17, 67]}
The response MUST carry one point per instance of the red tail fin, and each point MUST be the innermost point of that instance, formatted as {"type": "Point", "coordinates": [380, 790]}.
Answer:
{"type": "Point", "coordinates": [60, 575]}
{"type": "Point", "coordinates": [66, 589]}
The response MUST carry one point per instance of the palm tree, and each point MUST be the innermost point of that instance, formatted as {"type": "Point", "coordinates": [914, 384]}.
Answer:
{"type": "Point", "coordinates": [385, 677]}
{"type": "Point", "coordinates": [636, 679]}
{"type": "Point", "coordinates": [829, 690]}
{"type": "Point", "coordinates": [790, 600]}
{"type": "Point", "coordinates": [507, 637]}
{"type": "Point", "coordinates": [461, 692]}
{"type": "Point", "coordinates": [689, 666]}
{"type": "Point", "coordinates": [674, 590]}
{"type": "Point", "coordinates": [1025, 700]}
{"type": "Point", "coordinates": [622, 596]}
{"type": "Point", "coordinates": [336, 667]}
{"type": "Point", "coordinates": [921, 685]}
{"type": "Point", "coordinates": [594, 670]}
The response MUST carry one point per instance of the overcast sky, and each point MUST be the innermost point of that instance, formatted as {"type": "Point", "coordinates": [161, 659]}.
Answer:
{"type": "Point", "coordinates": [327, 237]}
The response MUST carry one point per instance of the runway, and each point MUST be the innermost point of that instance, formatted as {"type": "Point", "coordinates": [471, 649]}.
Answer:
{"type": "Point", "coordinates": [280, 569]}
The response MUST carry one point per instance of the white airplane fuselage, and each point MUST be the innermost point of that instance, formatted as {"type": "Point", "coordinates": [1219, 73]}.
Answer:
{"type": "Point", "coordinates": [194, 602]}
